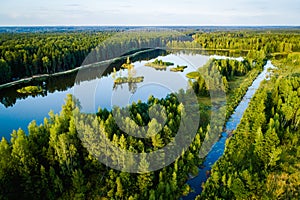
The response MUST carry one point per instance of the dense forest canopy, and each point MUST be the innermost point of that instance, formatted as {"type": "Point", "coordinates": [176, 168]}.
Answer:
{"type": "Point", "coordinates": [25, 55]}
{"type": "Point", "coordinates": [270, 43]}
{"type": "Point", "coordinates": [267, 41]}
{"type": "Point", "coordinates": [261, 160]}
{"type": "Point", "coordinates": [52, 162]}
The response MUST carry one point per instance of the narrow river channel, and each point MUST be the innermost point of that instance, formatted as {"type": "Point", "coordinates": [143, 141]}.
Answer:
{"type": "Point", "coordinates": [218, 148]}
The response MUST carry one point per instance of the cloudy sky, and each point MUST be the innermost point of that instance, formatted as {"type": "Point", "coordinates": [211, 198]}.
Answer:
{"type": "Point", "coordinates": [150, 12]}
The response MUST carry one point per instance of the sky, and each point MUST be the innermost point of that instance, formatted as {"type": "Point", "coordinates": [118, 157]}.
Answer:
{"type": "Point", "coordinates": [149, 12]}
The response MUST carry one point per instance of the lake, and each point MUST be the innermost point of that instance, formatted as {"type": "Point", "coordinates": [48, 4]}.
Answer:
{"type": "Point", "coordinates": [18, 110]}
{"type": "Point", "coordinates": [96, 88]}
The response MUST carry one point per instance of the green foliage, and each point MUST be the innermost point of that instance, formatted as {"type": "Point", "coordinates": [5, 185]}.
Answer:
{"type": "Point", "coordinates": [51, 163]}
{"type": "Point", "coordinates": [193, 75]}
{"type": "Point", "coordinates": [159, 64]}
{"type": "Point", "coordinates": [24, 55]}
{"type": "Point", "coordinates": [128, 64]}
{"type": "Point", "coordinates": [218, 73]}
{"type": "Point", "coordinates": [261, 160]}
{"type": "Point", "coordinates": [266, 41]}
{"type": "Point", "coordinates": [5, 71]}
{"type": "Point", "coordinates": [30, 90]}
{"type": "Point", "coordinates": [178, 68]}
{"type": "Point", "coordinates": [121, 80]}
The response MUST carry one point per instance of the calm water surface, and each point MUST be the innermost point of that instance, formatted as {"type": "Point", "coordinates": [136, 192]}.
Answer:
{"type": "Point", "coordinates": [17, 111]}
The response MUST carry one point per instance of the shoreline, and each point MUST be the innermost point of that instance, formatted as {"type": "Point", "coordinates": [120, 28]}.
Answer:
{"type": "Point", "coordinates": [46, 76]}
{"type": "Point", "coordinates": [230, 126]}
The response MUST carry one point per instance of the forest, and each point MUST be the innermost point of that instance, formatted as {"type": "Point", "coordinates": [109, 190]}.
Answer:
{"type": "Point", "coordinates": [63, 160]}
{"type": "Point", "coordinates": [51, 161]}
{"type": "Point", "coordinates": [230, 70]}
{"type": "Point", "coordinates": [26, 55]}
{"type": "Point", "coordinates": [261, 160]}
{"type": "Point", "coordinates": [267, 41]}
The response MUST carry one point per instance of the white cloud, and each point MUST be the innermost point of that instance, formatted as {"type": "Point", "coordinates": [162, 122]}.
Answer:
{"type": "Point", "coordinates": [155, 12]}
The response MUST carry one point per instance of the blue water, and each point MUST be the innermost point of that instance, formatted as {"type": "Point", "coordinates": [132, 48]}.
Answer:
{"type": "Point", "coordinates": [99, 92]}
{"type": "Point", "coordinates": [218, 148]}
{"type": "Point", "coordinates": [26, 110]}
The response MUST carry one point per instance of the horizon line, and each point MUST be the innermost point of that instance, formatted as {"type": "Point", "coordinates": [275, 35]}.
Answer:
{"type": "Point", "coordinates": [155, 25]}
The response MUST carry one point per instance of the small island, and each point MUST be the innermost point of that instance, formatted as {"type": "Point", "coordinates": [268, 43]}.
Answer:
{"type": "Point", "coordinates": [193, 75]}
{"type": "Point", "coordinates": [159, 64]}
{"type": "Point", "coordinates": [178, 68]}
{"type": "Point", "coordinates": [122, 80]}
{"type": "Point", "coordinates": [128, 64]}
{"type": "Point", "coordinates": [30, 90]}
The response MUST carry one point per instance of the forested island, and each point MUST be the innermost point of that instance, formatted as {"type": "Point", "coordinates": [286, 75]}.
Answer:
{"type": "Point", "coordinates": [261, 159]}
{"type": "Point", "coordinates": [159, 64]}
{"type": "Point", "coordinates": [131, 79]}
{"type": "Point", "coordinates": [30, 90]}
{"type": "Point", "coordinates": [121, 80]}
{"type": "Point", "coordinates": [178, 68]}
